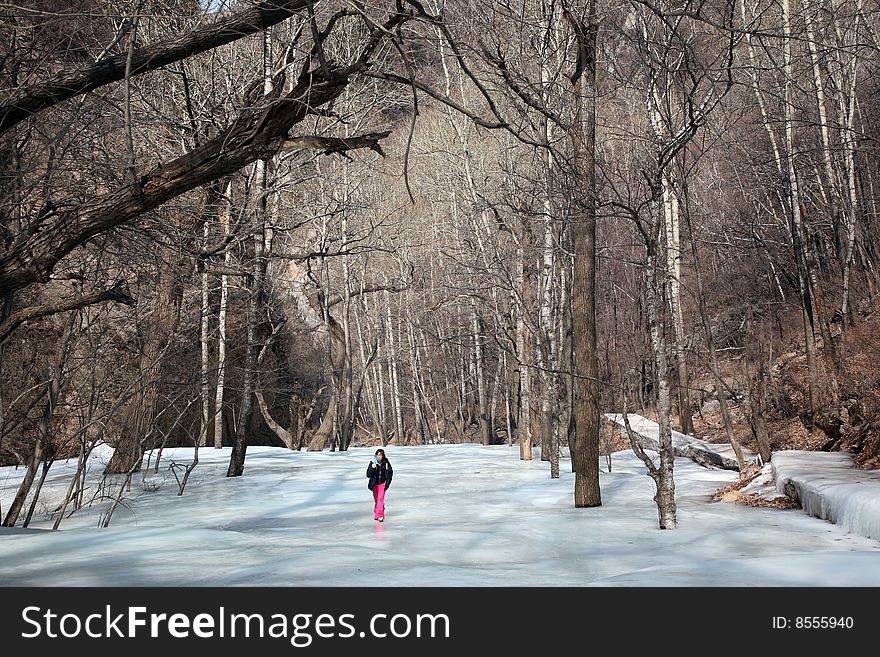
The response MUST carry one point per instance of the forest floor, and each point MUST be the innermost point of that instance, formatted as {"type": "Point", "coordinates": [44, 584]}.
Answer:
{"type": "Point", "coordinates": [789, 424]}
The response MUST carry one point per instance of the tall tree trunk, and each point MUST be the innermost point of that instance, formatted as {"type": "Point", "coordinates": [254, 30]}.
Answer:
{"type": "Point", "coordinates": [547, 331]}
{"type": "Point", "coordinates": [496, 392]}
{"type": "Point", "coordinates": [568, 421]}
{"type": "Point", "coordinates": [371, 406]}
{"type": "Point", "coordinates": [463, 410]}
{"type": "Point", "coordinates": [206, 353]}
{"type": "Point", "coordinates": [347, 410]}
{"type": "Point", "coordinates": [833, 193]}
{"type": "Point", "coordinates": [380, 378]}
{"type": "Point", "coordinates": [479, 362]}
{"type": "Point", "coordinates": [5, 312]}
{"type": "Point", "coordinates": [849, 145]}
{"type": "Point", "coordinates": [656, 308]}
{"type": "Point", "coordinates": [9, 177]}
{"type": "Point", "coordinates": [255, 301]}
{"type": "Point", "coordinates": [418, 393]}
{"type": "Point", "coordinates": [671, 209]}
{"type": "Point", "coordinates": [583, 300]}
{"type": "Point", "coordinates": [508, 407]}
{"type": "Point", "coordinates": [870, 210]}
{"type": "Point", "coordinates": [240, 443]}
{"type": "Point", "coordinates": [786, 169]}
{"type": "Point", "coordinates": [400, 438]}
{"type": "Point", "coordinates": [797, 230]}
{"type": "Point", "coordinates": [523, 355]}
{"type": "Point", "coordinates": [224, 213]}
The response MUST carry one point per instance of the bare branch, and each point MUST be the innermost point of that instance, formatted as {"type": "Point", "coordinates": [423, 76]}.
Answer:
{"type": "Point", "coordinates": [116, 294]}
{"type": "Point", "coordinates": [336, 145]}
{"type": "Point", "coordinates": [68, 84]}
{"type": "Point", "coordinates": [257, 133]}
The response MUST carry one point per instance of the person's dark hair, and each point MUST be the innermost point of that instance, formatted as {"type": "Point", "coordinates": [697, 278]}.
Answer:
{"type": "Point", "coordinates": [384, 455]}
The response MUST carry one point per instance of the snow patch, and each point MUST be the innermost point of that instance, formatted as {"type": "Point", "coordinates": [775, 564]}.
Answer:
{"type": "Point", "coordinates": [829, 486]}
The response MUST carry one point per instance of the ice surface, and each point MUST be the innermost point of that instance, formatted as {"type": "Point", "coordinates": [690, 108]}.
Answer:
{"type": "Point", "coordinates": [457, 515]}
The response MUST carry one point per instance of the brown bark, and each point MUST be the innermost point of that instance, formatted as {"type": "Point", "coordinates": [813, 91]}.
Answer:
{"type": "Point", "coordinates": [295, 411]}
{"type": "Point", "coordinates": [583, 295]}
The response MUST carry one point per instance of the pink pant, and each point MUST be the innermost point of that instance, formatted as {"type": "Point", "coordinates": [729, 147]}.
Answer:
{"type": "Point", "coordinates": [379, 498]}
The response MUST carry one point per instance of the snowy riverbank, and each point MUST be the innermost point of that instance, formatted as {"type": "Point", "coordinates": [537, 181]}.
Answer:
{"type": "Point", "coordinates": [829, 486]}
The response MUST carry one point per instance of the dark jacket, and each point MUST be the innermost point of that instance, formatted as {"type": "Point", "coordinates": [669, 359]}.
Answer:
{"type": "Point", "coordinates": [380, 474]}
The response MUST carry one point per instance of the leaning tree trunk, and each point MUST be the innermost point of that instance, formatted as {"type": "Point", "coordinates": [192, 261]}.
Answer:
{"type": "Point", "coordinates": [285, 436]}
{"type": "Point", "coordinates": [721, 395]}
{"type": "Point", "coordinates": [757, 398]}
{"type": "Point", "coordinates": [322, 436]}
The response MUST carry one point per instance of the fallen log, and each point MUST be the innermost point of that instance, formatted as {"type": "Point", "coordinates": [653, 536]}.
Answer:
{"type": "Point", "coordinates": [647, 433]}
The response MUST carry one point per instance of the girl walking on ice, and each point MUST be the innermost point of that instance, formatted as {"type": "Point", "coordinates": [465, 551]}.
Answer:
{"type": "Point", "coordinates": [379, 472]}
